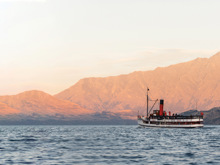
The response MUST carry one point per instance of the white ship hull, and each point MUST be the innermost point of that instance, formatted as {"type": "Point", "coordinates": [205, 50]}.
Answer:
{"type": "Point", "coordinates": [168, 123]}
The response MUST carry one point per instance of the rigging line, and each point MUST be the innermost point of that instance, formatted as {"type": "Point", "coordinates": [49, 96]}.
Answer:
{"type": "Point", "coordinates": [153, 100]}
{"type": "Point", "coordinates": [149, 96]}
{"type": "Point", "coordinates": [153, 105]}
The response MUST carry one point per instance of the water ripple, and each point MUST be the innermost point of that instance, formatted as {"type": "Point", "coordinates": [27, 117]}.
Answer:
{"type": "Point", "coordinates": [108, 145]}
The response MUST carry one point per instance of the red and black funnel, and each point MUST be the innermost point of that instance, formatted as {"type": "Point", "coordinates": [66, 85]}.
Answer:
{"type": "Point", "coordinates": [161, 107]}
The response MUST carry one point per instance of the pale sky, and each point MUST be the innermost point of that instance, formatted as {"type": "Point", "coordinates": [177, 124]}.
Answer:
{"type": "Point", "coordinates": [49, 45]}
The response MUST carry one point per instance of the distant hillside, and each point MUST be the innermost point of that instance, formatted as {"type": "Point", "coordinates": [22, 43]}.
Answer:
{"type": "Point", "coordinates": [102, 118]}
{"type": "Point", "coordinates": [6, 110]}
{"type": "Point", "coordinates": [99, 118]}
{"type": "Point", "coordinates": [211, 116]}
{"type": "Point", "coordinates": [182, 86]}
{"type": "Point", "coordinates": [38, 102]}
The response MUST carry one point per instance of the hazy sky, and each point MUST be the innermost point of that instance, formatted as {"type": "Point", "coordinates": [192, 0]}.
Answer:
{"type": "Point", "coordinates": [50, 44]}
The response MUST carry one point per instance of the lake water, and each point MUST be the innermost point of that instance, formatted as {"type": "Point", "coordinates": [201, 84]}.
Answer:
{"type": "Point", "coordinates": [108, 145]}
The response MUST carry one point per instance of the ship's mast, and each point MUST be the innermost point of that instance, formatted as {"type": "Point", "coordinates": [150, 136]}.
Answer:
{"type": "Point", "coordinates": [147, 101]}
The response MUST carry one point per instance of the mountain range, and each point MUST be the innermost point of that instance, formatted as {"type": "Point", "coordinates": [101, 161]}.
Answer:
{"type": "Point", "coordinates": [184, 86]}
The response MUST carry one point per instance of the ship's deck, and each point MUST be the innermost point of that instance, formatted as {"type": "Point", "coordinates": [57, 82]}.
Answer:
{"type": "Point", "coordinates": [176, 117]}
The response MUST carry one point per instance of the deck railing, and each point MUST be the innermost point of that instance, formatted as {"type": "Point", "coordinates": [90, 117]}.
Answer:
{"type": "Point", "coordinates": [177, 117]}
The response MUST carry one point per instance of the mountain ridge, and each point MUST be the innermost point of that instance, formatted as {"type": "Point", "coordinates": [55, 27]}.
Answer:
{"type": "Point", "coordinates": [39, 102]}
{"type": "Point", "coordinates": [181, 85]}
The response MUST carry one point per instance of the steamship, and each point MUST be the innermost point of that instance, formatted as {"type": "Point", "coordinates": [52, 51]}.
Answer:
{"type": "Point", "coordinates": [160, 118]}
